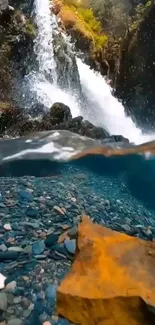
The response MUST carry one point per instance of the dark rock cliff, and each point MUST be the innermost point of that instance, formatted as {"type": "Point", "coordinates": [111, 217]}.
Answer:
{"type": "Point", "coordinates": [17, 33]}
{"type": "Point", "coordinates": [135, 81]}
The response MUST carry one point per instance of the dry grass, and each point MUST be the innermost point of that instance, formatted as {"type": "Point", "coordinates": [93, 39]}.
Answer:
{"type": "Point", "coordinates": [74, 14]}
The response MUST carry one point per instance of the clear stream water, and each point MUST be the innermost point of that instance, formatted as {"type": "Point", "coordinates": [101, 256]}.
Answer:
{"type": "Point", "coordinates": [117, 192]}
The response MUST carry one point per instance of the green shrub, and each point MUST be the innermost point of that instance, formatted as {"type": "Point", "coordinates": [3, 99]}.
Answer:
{"type": "Point", "coordinates": [89, 18]}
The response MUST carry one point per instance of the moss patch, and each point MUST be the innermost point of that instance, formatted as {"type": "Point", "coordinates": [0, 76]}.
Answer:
{"type": "Point", "coordinates": [81, 21]}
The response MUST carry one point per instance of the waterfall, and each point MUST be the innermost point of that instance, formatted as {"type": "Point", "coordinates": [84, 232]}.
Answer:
{"type": "Point", "coordinates": [100, 107]}
{"type": "Point", "coordinates": [44, 41]}
{"type": "Point", "coordinates": [106, 110]}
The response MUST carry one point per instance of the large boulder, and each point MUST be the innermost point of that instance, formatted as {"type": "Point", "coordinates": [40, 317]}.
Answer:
{"type": "Point", "coordinates": [135, 80]}
{"type": "Point", "coordinates": [111, 281]}
{"type": "Point", "coordinates": [59, 113]}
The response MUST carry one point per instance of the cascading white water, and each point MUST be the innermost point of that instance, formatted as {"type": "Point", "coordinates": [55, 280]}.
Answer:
{"type": "Point", "coordinates": [107, 110]}
{"type": "Point", "coordinates": [44, 40]}
{"type": "Point", "coordinates": [103, 108]}
{"type": "Point", "coordinates": [48, 92]}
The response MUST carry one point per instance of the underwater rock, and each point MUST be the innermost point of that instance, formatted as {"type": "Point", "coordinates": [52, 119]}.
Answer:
{"type": "Point", "coordinates": [111, 280]}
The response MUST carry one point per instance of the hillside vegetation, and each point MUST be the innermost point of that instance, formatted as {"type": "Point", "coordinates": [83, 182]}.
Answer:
{"type": "Point", "coordinates": [98, 27]}
{"type": "Point", "coordinates": [81, 22]}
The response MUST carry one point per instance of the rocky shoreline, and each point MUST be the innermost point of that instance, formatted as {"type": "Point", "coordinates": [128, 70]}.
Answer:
{"type": "Point", "coordinates": [15, 123]}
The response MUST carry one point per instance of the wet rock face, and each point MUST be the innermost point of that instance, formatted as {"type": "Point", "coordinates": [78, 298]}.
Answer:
{"type": "Point", "coordinates": [135, 81]}
{"type": "Point", "coordinates": [25, 5]}
{"type": "Point", "coordinates": [3, 5]}
{"type": "Point", "coordinates": [67, 70]}
{"type": "Point", "coordinates": [17, 33]}
{"type": "Point", "coordinates": [8, 117]}
{"type": "Point", "coordinates": [111, 281]}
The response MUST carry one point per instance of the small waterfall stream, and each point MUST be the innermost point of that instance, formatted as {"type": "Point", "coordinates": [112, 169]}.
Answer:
{"type": "Point", "coordinates": [43, 48]}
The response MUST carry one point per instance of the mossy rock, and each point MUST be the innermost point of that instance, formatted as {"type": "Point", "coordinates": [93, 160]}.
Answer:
{"type": "Point", "coordinates": [16, 40]}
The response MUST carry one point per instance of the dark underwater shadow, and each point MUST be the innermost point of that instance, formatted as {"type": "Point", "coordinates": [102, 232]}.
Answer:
{"type": "Point", "coordinates": [138, 173]}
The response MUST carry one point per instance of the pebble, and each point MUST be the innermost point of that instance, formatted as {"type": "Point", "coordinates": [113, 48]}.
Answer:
{"type": "Point", "coordinates": [15, 321]}
{"type": "Point", "coordinates": [50, 231]}
{"type": "Point", "coordinates": [3, 301]}
{"type": "Point", "coordinates": [33, 225]}
{"type": "Point", "coordinates": [51, 292]}
{"type": "Point", "coordinates": [17, 300]}
{"type": "Point", "coordinates": [10, 298]}
{"type": "Point", "coordinates": [126, 228]}
{"type": "Point", "coordinates": [38, 247]}
{"type": "Point", "coordinates": [41, 295]}
{"type": "Point", "coordinates": [7, 227]}
{"type": "Point", "coordinates": [31, 212]}
{"type": "Point", "coordinates": [27, 196]}
{"type": "Point", "coordinates": [41, 257]}
{"type": "Point", "coordinates": [60, 248]}
{"type": "Point", "coordinates": [11, 286]}
{"type": "Point", "coordinates": [51, 240]}
{"type": "Point", "coordinates": [27, 313]}
{"type": "Point", "coordinates": [2, 205]}
{"type": "Point", "coordinates": [119, 202]}
{"type": "Point", "coordinates": [70, 245]}
{"type": "Point", "coordinates": [27, 249]}
{"type": "Point", "coordinates": [73, 232]}
{"type": "Point", "coordinates": [2, 281]}
{"type": "Point", "coordinates": [15, 249]}
{"type": "Point", "coordinates": [60, 210]}
{"type": "Point", "coordinates": [9, 255]}
{"type": "Point", "coordinates": [25, 303]}
{"type": "Point", "coordinates": [3, 248]}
